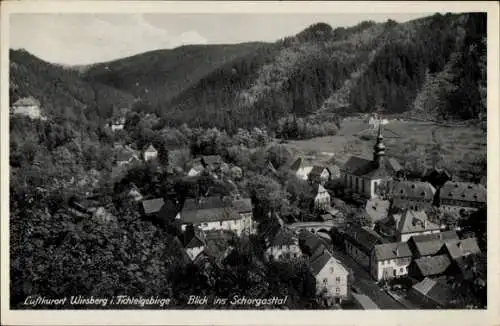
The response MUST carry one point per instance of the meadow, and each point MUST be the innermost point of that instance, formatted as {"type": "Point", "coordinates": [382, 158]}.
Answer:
{"type": "Point", "coordinates": [460, 148]}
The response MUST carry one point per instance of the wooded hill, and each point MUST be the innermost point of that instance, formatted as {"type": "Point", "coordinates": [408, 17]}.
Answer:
{"type": "Point", "coordinates": [434, 67]}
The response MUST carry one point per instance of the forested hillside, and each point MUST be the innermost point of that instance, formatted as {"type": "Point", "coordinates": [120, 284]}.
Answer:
{"type": "Point", "coordinates": [433, 67]}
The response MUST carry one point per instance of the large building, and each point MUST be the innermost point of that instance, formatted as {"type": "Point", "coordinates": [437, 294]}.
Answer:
{"type": "Point", "coordinates": [217, 213]}
{"type": "Point", "coordinates": [368, 178]}
{"type": "Point", "coordinates": [462, 197]}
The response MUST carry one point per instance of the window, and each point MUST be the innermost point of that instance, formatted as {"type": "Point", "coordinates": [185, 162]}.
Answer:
{"type": "Point", "coordinates": [220, 223]}
{"type": "Point", "coordinates": [331, 270]}
{"type": "Point", "coordinates": [325, 281]}
{"type": "Point", "coordinates": [401, 270]}
{"type": "Point", "coordinates": [337, 290]}
{"type": "Point", "coordinates": [337, 279]}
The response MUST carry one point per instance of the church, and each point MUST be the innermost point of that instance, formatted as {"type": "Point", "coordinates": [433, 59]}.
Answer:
{"type": "Point", "coordinates": [365, 177]}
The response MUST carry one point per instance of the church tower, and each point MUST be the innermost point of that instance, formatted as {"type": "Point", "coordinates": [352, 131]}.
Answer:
{"type": "Point", "coordinates": [379, 148]}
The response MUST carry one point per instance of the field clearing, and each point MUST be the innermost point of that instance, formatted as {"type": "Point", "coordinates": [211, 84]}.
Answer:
{"type": "Point", "coordinates": [460, 146]}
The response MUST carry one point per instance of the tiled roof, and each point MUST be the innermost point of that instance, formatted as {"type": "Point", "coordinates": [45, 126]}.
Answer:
{"type": "Point", "coordinates": [242, 205]}
{"type": "Point", "coordinates": [316, 171]}
{"type": "Point", "coordinates": [150, 149]}
{"type": "Point", "coordinates": [377, 209]}
{"type": "Point", "coordinates": [152, 205]}
{"type": "Point", "coordinates": [318, 262]}
{"type": "Point", "coordinates": [414, 189]}
{"type": "Point", "coordinates": [355, 164]}
{"type": "Point", "coordinates": [463, 191]}
{"type": "Point", "coordinates": [430, 244]}
{"type": "Point", "coordinates": [437, 291]}
{"type": "Point", "coordinates": [311, 242]}
{"type": "Point", "coordinates": [463, 247]}
{"type": "Point", "coordinates": [392, 250]}
{"type": "Point", "coordinates": [433, 265]}
{"type": "Point", "coordinates": [26, 101]}
{"type": "Point", "coordinates": [411, 221]}
{"type": "Point", "coordinates": [195, 242]}
{"type": "Point", "coordinates": [394, 164]}
{"type": "Point", "coordinates": [284, 237]}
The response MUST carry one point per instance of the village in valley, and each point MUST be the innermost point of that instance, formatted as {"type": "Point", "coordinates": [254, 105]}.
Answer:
{"type": "Point", "coordinates": [375, 237]}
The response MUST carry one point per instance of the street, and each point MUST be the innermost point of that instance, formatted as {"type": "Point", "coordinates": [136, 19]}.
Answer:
{"type": "Point", "coordinates": [364, 284]}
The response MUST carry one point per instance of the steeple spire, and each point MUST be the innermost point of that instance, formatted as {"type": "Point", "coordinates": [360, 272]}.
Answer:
{"type": "Point", "coordinates": [379, 148]}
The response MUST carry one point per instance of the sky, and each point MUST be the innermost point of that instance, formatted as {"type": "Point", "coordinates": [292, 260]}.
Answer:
{"type": "Point", "coordinates": [74, 39]}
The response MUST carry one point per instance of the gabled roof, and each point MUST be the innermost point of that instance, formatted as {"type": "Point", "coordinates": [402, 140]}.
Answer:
{"type": "Point", "coordinates": [437, 291]}
{"type": "Point", "coordinates": [26, 101]}
{"type": "Point", "coordinates": [211, 209]}
{"type": "Point", "coordinates": [414, 189]}
{"type": "Point", "coordinates": [411, 221]}
{"type": "Point", "coordinates": [433, 265]}
{"type": "Point", "coordinates": [392, 250]}
{"type": "Point", "coordinates": [296, 165]}
{"type": "Point", "coordinates": [242, 205]}
{"type": "Point", "coordinates": [321, 189]}
{"type": "Point", "coordinates": [125, 156]}
{"type": "Point", "coordinates": [430, 244]}
{"type": "Point", "coordinates": [461, 248]}
{"type": "Point", "coordinates": [318, 262]}
{"type": "Point", "coordinates": [311, 242]}
{"type": "Point", "coordinates": [316, 171]}
{"type": "Point", "coordinates": [195, 242]}
{"type": "Point", "coordinates": [355, 164]}
{"type": "Point", "coordinates": [150, 149]}
{"type": "Point", "coordinates": [363, 239]}
{"type": "Point", "coordinates": [152, 206]}
{"type": "Point", "coordinates": [463, 191]}
{"type": "Point", "coordinates": [211, 159]}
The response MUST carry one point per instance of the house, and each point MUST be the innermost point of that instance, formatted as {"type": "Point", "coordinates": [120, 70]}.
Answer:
{"type": "Point", "coordinates": [27, 106]}
{"type": "Point", "coordinates": [368, 178]}
{"type": "Point", "coordinates": [195, 245]}
{"type": "Point", "coordinates": [150, 153]}
{"type": "Point", "coordinates": [300, 171]}
{"type": "Point", "coordinates": [377, 210]}
{"type": "Point", "coordinates": [402, 226]}
{"type": "Point", "coordinates": [310, 244]}
{"type": "Point", "coordinates": [390, 260]}
{"type": "Point", "coordinates": [416, 195]}
{"type": "Point", "coordinates": [359, 244]}
{"type": "Point", "coordinates": [319, 174]}
{"type": "Point", "coordinates": [460, 198]}
{"type": "Point", "coordinates": [211, 162]}
{"type": "Point", "coordinates": [195, 170]}
{"type": "Point", "coordinates": [117, 124]}
{"type": "Point", "coordinates": [433, 294]}
{"type": "Point", "coordinates": [429, 266]}
{"type": "Point", "coordinates": [332, 277]}
{"type": "Point", "coordinates": [126, 157]}
{"type": "Point", "coordinates": [322, 199]}
{"type": "Point", "coordinates": [217, 213]}
{"type": "Point", "coordinates": [281, 243]}
{"type": "Point", "coordinates": [430, 244]}
{"type": "Point", "coordinates": [152, 206]}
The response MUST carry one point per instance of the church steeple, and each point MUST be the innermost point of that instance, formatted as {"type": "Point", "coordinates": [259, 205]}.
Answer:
{"type": "Point", "coordinates": [379, 148]}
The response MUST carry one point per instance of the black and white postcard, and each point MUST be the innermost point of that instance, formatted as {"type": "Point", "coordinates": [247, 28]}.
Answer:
{"type": "Point", "coordinates": [250, 163]}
